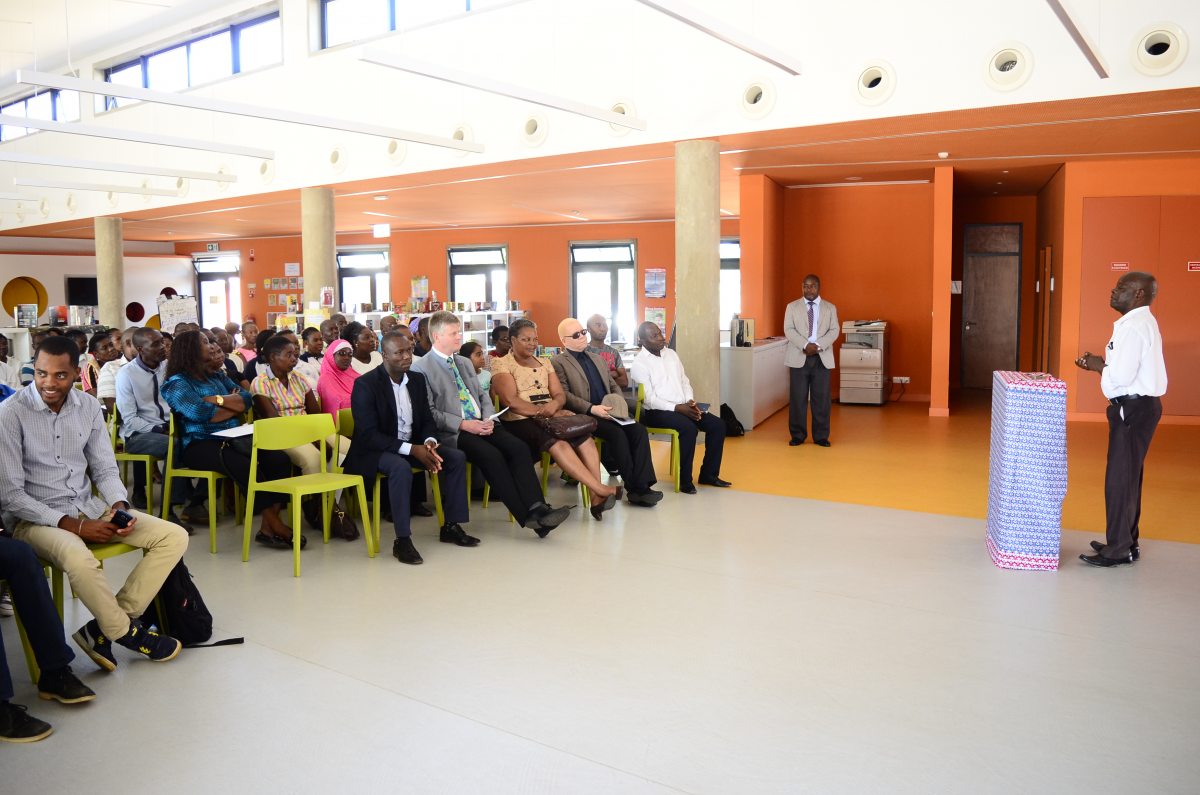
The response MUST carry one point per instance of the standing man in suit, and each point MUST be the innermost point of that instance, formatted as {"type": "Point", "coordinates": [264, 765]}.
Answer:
{"type": "Point", "coordinates": [464, 413]}
{"type": "Point", "coordinates": [1133, 376]}
{"type": "Point", "coordinates": [587, 381]}
{"type": "Point", "coordinates": [811, 326]}
{"type": "Point", "coordinates": [391, 411]}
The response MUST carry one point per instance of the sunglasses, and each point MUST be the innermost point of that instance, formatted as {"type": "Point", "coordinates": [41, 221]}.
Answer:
{"type": "Point", "coordinates": [577, 334]}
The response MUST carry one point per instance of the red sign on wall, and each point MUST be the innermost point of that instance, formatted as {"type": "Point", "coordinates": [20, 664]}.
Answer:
{"type": "Point", "coordinates": [1194, 267]}
{"type": "Point", "coordinates": [1120, 266]}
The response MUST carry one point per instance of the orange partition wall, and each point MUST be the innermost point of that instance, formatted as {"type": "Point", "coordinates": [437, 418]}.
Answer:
{"type": "Point", "coordinates": [1050, 231]}
{"type": "Point", "coordinates": [270, 254]}
{"type": "Point", "coordinates": [872, 248]}
{"type": "Point", "coordinates": [762, 253]}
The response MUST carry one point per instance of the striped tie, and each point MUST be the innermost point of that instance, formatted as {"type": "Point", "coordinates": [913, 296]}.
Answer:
{"type": "Point", "coordinates": [811, 330]}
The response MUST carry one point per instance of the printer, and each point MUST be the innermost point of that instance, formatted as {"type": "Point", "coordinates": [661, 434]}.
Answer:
{"type": "Point", "coordinates": [863, 362]}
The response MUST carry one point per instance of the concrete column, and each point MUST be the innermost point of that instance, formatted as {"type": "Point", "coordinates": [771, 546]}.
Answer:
{"type": "Point", "coordinates": [318, 243]}
{"type": "Point", "coordinates": [110, 271]}
{"type": "Point", "coordinates": [698, 266]}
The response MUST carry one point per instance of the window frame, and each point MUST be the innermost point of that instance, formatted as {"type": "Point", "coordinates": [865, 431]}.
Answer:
{"type": "Point", "coordinates": [55, 110]}
{"type": "Point", "coordinates": [612, 267]}
{"type": "Point", "coordinates": [231, 271]}
{"type": "Point", "coordinates": [485, 269]}
{"type": "Point", "coordinates": [323, 18]}
{"type": "Point", "coordinates": [342, 272]}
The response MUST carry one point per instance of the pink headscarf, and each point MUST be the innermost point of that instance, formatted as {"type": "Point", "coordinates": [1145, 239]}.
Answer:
{"type": "Point", "coordinates": [334, 385]}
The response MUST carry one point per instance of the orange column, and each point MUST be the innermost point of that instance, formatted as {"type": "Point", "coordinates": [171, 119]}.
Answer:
{"type": "Point", "coordinates": [943, 252]}
{"type": "Point", "coordinates": [760, 231]}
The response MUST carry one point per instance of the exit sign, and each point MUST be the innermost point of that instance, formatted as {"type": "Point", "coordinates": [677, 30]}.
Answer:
{"type": "Point", "coordinates": [1194, 267]}
{"type": "Point", "coordinates": [212, 246]}
{"type": "Point", "coordinates": [1117, 266]}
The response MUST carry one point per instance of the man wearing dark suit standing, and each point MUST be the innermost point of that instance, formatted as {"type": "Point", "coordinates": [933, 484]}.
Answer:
{"type": "Point", "coordinates": [464, 413]}
{"type": "Point", "coordinates": [391, 411]}
{"type": "Point", "coordinates": [811, 326]}
{"type": "Point", "coordinates": [1133, 376]}
{"type": "Point", "coordinates": [587, 381]}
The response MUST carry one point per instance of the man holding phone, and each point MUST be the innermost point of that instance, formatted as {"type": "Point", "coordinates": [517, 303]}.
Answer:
{"type": "Point", "coordinates": [53, 447]}
{"type": "Point", "coordinates": [669, 403]}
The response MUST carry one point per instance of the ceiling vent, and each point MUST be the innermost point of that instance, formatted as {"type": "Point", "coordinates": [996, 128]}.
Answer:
{"type": "Point", "coordinates": [464, 133]}
{"type": "Point", "coordinates": [1160, 49]}
{"type": "Point", "coordinates": [1009, 67]}
{"type": "Point", "coordinates": [758, 99]}
{"type": "Point", "coordinates": [876, 83]}
{"type": "Point", "coordinates": [535, 130]}
{"type": "Point", "coordinates": [625, 108]}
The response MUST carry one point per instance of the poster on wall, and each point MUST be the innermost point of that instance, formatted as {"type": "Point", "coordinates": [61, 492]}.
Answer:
{"type": "Point", "coordinates": [173, 311]}
{"type": "Point", "coordinates": [27, 315]}
{"type": "Point", "coordinates": [291, 269]}
{"type": "Point", "coordinates": [420, 287]}
{"type": "Point", "coordinates": [658, 317]}
{"type": "Point", "coordinates": [656, 283]}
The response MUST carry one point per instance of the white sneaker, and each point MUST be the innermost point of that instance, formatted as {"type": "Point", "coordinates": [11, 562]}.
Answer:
{"type": "Point", "coordinates": [6, 607]}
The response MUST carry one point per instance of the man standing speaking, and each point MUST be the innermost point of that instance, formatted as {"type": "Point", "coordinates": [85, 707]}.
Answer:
{"type": "Point", "coordinates": [811, 326]}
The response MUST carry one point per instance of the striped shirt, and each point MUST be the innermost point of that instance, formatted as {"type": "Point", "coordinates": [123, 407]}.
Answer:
{"type": "Point", "coordinates": [186, 396]}
{"type": "Point", "coordinates": [106, 387]}
{"type": "Point", "coordinates": [46, 458]}
{"type": "Point", "coordinates": [288, 396]}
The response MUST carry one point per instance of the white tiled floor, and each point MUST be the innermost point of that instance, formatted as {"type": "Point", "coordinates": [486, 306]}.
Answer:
{"type": "Point", "coordinates": [722, 643]}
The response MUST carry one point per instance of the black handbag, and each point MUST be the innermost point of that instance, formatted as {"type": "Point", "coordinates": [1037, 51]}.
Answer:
{"type": "Point", "coordinates": [568, 427]}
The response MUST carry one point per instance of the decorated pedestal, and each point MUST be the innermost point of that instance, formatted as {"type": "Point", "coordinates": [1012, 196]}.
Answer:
{"type": "Point", "coordinates": [1028, 478]}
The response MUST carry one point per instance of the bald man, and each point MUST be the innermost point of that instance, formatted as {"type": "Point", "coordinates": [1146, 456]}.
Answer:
{"type": "Point", "coordinates": [588, 384]}
{"type": "Point", "coordinates": [1133, 376]}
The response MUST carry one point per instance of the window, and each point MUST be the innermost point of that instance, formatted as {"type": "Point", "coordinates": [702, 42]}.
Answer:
{"type": "Point", "coordinates": [52, 105]}
{"type": "Point", "coordinates": [479, 275]}
{"type": "Point", "coordinates": [344, 21]}
{"type": "Point", "coordinates": [604, 282]}
{"type": "Point", "coordinates": [219, 287]}
{"type": "Point", "coordinates": [213, 56]}
{"type": "Point", "coordinates": [364, 277]}
{"type": "Point", "coordinates": [731, 281]}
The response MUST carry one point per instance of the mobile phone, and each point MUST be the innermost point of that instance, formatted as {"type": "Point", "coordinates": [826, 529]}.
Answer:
{"type": "Point", "coordinates": [703, 407]}
{"type": "Point", "coordinates": [121, 519]}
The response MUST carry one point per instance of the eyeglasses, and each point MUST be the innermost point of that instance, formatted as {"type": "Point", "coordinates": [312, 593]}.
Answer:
{"type": "Point", "coordinates": [577, 334]}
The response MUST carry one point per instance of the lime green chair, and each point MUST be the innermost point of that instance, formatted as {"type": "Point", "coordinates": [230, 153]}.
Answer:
{"type": "Point", "coordinates": [674, 434]}
{"type": "Point", "coordinates": [346, 428]}
{"type": "Point", "coordinates": [125, 459]}
{"type": "Point", "coordinates": [174, 446]}
{"type": "Point", "coordinates": [281, 433]}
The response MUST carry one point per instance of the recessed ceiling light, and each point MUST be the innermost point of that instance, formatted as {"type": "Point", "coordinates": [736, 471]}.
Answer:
{"type": "Point", "coordinates": [995, 193]}
{"type": "Point", "coordinates": [853, 179]}
{"type": "Point", "coordinates": [1005, 171]}
{"type": "Point", "coordinates": [999, 183]}
{"type": "Point", "coordinates": [943, 155]}
{"type": "Point", "coordinates": [381, 198]}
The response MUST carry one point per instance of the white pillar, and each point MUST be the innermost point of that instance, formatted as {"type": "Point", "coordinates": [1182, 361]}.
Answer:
{"type": "Point", "coordinates": [110, 271]}
{"type": "Point", "coordinates": [698, 266]}
{"type": "Point", "coordinates": [318, 243]}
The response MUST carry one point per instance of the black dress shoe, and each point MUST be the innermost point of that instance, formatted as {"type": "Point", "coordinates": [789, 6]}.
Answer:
{"type": "Point", "coordinates": [452, 533]}
{"type": "Point", "coordinates": [794, 442]}
{"type": "Point", "coordinates": [688, 489]}
{"type": "Point", "coordinates": [419, 509]}
{"type": "Point", "coordinates": [720, 484]}
{"type": "Point", "coordinates": [822, 442]}
{"type": "Point", "coordinates": [1134, 551]}
{"type": "Point", "coordinates": [274, 542]}
{"type": "Point", "coordinates": [542, 518]}
{"type": "Point", "coordinates": [1103, 562]}
{"type": "Point", "coordinates": [646, 499]}
{"type": "Point", "coordinates": [404, 551]}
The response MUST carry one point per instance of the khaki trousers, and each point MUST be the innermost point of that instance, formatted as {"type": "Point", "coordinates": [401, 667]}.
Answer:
{"type": "Point", "coordinates": [308, 458]}
{"type": "Point", "coordinates": [164, 544]}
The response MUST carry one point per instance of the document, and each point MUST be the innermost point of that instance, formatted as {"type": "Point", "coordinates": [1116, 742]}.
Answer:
{"type": "Point", "coordinates": [497, 414]}
{"type": "Point", "coordinates": [233, 433]}
{"type": "Point", "coordinates": [622, 421]}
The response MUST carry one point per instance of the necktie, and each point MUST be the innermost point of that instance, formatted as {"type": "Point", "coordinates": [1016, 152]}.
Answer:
{"type": "Point", "coordinates": [464, 397]}
{"type": "Point", "coordinates": [811, 330]}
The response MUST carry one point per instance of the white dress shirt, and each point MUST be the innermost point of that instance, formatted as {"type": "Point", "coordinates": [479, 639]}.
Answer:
{"type": "Point", "coordinates": [404, 415]}
{"type": "Point", "coordinates": [1133, 360]}
{"type": "Point", "coordinates": [663, 379]}
{"type": "Point", "coordinates": [816, 324]}
{"type": "Point", "coordinates": [10, 373]}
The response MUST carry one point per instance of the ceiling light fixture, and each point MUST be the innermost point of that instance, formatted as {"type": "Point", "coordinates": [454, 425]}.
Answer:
{"type": "Point", "coordinates": [381, 230]}
{"type": "Point", "coordinates": [380, 198]}
{"type": "Point", "coordinates": [450, 75]}
{"type": "Point", "coordinates": [94, 131]}
{"type": "Point", "coordinates": [95, 186]}
{"type": "Point", "coordinates": [67, 83]}
{"type": "Point", "coordinates": [726, 33]}
{"type": "Point", "coordinates": [1080, 38]}
{"type": "Point", "coordinates": [126, 168]}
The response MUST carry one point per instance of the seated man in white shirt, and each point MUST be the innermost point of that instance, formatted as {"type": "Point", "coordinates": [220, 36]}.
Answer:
{"type": "Point", "coordinates": [669, 403]}
{"type": "Point", "coordinates": [106, 385]}
{"type": "Point", "coordinates": [10, 371]}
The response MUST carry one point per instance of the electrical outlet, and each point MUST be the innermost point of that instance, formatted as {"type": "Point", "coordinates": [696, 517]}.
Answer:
{"type": "Point", "coordinates": [901, 379]}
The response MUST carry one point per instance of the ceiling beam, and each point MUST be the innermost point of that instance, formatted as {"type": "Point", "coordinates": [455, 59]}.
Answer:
{"type": "Point", "coordinates": [63, 184]}
{"type": "Point", "coordinates": [723, 31]}
{"type": "Point", "coordinates": [126, 168]}
{"type": "Point", "coordinates": [94, 131]}
{"type": "Point", "coordinates": [1080, 38]}
{"type": "Point", "coordinates": [85, 86]}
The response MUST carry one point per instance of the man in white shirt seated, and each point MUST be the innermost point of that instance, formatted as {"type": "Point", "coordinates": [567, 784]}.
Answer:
{"type": "Point", "coordinates": [10, 371]}
{"type": "Point", "coordinates": [669, 403]}
{"type": "Point", "coordinates": [106, 385]}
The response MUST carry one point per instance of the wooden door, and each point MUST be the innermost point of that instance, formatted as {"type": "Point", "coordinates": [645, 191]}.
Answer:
{"type": "Point", "coordinates": [991, 302]}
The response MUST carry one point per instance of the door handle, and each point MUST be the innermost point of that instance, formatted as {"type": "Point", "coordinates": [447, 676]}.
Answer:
{"type": "Point", "coordinates": [968, 325]}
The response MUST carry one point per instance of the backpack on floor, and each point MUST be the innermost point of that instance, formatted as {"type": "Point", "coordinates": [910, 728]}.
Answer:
{"type": "Point", "coordinates": [184, 616]}
{"type": "Point", "coordinates": [733, 427]}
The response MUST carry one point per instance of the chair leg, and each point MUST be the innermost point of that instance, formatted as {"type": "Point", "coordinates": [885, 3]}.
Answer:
{"type": "Point", "coordinates": [56, 589]}
{"type": "Point", "coordinates": [212, 515]}
{"type": "Point", "coordinates": [545, 473]}
{"type": "Point", "coordinates": [35, 673]}
{"type": "Point", "coordinates": [325, 495]}
{"type": "Point", "coordinates": [375, 511]}
{"type": "Point", "coordinates": [295, 504]}
{"type": "Point", "coordinates": [675, 460]}
{"type": "Point", "coordinates": [150, 487]}
{"type": "Point", "coordinates": [166, 500]}
{"type": "Point", "coordinates": [436, 484]}
{"type": "Point", "coordinates": [249, 523]}
{"type": "Point", "coordinates": [487, 494]}
{"type": "Point", "coordinates": [372, 536]}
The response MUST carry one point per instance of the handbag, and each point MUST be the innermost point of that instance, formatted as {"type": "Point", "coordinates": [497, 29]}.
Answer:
{"type": "Point", "coordinates": [567, 427]}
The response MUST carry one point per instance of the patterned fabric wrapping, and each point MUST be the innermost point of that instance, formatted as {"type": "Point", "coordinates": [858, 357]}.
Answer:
{"type": "Point", "coordinates": [1028, 470]}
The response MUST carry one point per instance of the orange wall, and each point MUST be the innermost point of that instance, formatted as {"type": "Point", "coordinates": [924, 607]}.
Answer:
{"type": "Point", "coordinates": [872, 246]}
{"type": "Point", "coordinates": [1021, 210]}
{"type": "Point", "coordinates": [1051, 233]}
{"type": "Point", "coordinates": [538, 262]}
{"type": "Point", "coordinates": [762, 253]}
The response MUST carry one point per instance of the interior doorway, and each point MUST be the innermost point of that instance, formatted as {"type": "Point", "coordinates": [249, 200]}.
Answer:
{"type": "Point", "coordinates": [991, 302]}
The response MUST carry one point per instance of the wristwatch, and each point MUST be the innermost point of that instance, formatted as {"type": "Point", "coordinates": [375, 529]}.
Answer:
{"type": "Point", "coordinates": [220, 400]}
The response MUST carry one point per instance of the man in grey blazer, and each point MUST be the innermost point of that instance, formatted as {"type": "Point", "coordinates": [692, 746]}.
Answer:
{"type": "Point", "coordinates": [587, 382]}
{"type": "Point", "coordinates": [811, 327]}
{"type": "Point", "coordinates": [462, 412]}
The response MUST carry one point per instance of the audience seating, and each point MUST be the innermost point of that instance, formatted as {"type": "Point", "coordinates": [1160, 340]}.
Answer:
{"type": "Point", "coordinates": [173, 472]}
{"type": "Point", "coordinates": [674, 434]}
{"type": "Point", "coordinates": [124, 459]}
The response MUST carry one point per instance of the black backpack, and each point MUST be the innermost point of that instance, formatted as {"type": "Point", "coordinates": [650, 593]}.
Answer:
{"type": "Point", "coordinates": [733, 427]}
{"type": "Point", "coordinates": [179, 611]}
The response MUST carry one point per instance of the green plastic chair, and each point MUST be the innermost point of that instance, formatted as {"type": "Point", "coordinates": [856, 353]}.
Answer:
{"type": "Point", "coordinates": [346, 428]}
{"type": "Point", "coordinates": [281, 433]}
{"type": "Point", "coordinates": [674, 434]}
{"type": "Point", "coordinates": [174, 443]}
{"type": "Point", "coordinates": [125, 459]}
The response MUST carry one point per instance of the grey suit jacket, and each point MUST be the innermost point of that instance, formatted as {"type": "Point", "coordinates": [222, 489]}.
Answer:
{"type": "Point", "coordinates": [574, 381]}
{"type": "Point", "coordinates": [443, 393]}
{"type": "Point", "coordinates": [795, 327]}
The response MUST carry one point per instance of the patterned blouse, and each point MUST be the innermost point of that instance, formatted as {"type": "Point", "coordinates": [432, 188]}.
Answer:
{"type": "Point", "coordinates": [288, 397]}
{"type": "Point", "coordinates": [533, 383]}
{"type": "Point", "coordinates": [185, 395]}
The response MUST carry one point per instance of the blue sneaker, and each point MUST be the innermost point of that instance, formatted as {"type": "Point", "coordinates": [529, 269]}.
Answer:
{"type": "Point", "coordinates": [95, 645]}
{"type": "Point", "coordinates": [154, 645]}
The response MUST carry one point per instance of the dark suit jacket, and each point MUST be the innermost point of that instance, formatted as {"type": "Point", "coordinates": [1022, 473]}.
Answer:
{"type": "Point", "coordinates": [574, 380]}
{"type": "Point", "coordinates": [373, 404]}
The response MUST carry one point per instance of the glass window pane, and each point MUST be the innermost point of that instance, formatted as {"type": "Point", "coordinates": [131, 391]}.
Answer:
{"type": "Point", "coordinates": [731, 296]}
{"type": "Point", "coordinates": [40, 106]}
{"type": "Point", "coordinates": [476, 256]}
{"type": "Point", "coordinates": [621, 253]}
{"type": "Point", "coordinates": [130, 75]}
{"type": "Point", "coordinates": [213, 309]}
{"type": "Point", "coordinates": [593, 295]}
{"type": "Point", "coordinates": [500, 287]}
{"type": "Point", "coordinates": [67, 107]}
{"type": "Point", "coordinates": [8, 132]}
{"type": "Point", "coordinates": [168, 71]}
{"type": "Point", "coordinates": [211, 58]}
{"type": "Point", "coordinates": [366, 260]}
{"type": "Point", "coordinates": [350, 20]}
{"type": "Point", "coordinates": [235, 298]}
{"type": "Point", "coordinates": [383, 288]}
{"type": "Point", "coordinates": [625, 328]}
{"type": "Point", "coordinates": [469, 287]}
{"type": "Point", "coordinates": [356, 290]}
{"type": "Point", "coordinates": [260, 45]}
{"type": "Point", "coordinates": [731, 249]}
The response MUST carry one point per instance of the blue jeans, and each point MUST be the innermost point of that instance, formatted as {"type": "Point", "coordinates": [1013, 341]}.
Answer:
{"type": "Point", "coordinates": [31, 598]}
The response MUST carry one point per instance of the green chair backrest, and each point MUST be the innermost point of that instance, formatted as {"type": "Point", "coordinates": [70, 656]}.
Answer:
{"type": "Point", "coordinates": [345, 423]}
{"type": "Point", "coordinates": [280, 433]}
{"type": "Point", "coordinates": [641, 395]}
